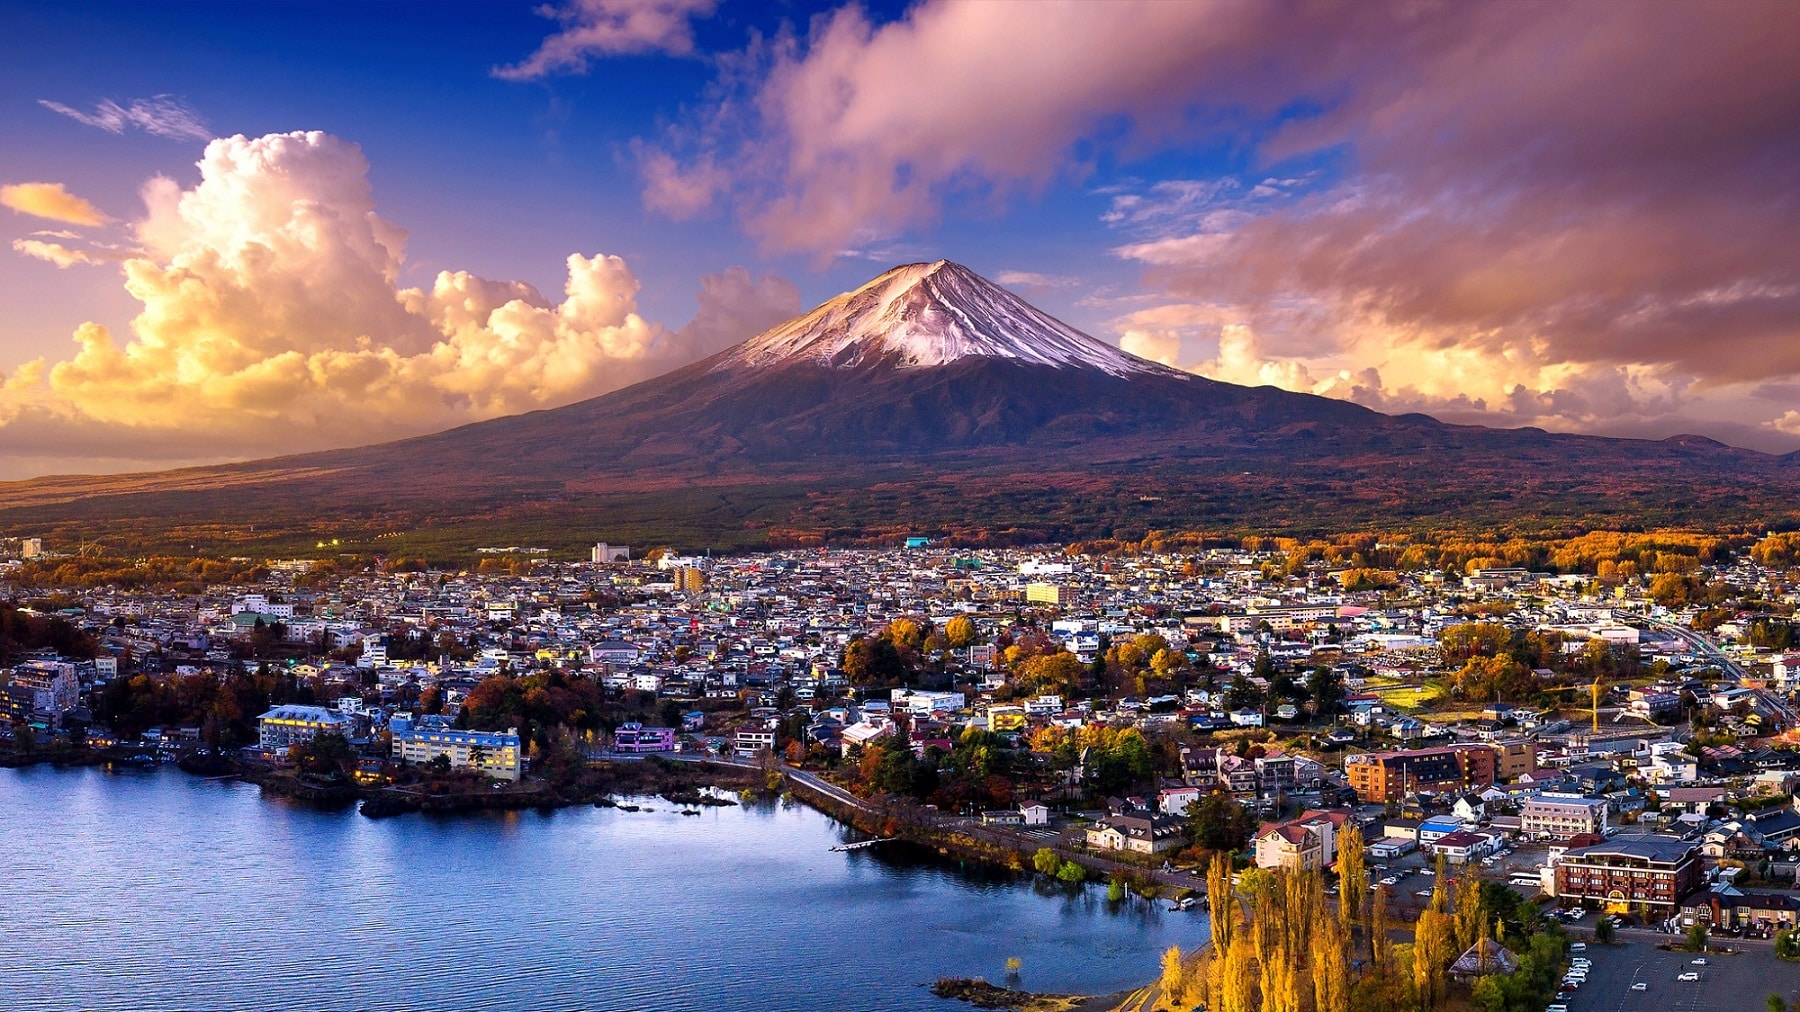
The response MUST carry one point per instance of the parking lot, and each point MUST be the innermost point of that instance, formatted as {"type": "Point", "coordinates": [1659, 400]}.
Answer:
{"type": "Point", "coordinates": [1728, 983]}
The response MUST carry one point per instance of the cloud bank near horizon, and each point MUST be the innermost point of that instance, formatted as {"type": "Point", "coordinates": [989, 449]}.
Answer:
{"type": "Point", "coordinates": [272, 321]}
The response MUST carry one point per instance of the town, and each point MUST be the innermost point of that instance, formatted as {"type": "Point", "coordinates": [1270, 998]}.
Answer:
{"type": "Point", "coordinates": [1603, 724]}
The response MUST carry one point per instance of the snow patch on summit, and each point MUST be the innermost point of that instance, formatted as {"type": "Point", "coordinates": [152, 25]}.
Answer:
{"type": "Point", "coordinates": [923, 315]}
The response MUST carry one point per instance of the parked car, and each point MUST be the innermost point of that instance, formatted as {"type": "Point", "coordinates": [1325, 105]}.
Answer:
{"type": "Point", "coordinates": [1690, 975]}
{"type": "Point", "coordinates": [1698, 962]}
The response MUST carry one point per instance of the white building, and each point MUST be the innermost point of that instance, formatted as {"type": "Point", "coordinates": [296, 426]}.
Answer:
{"type": "Point", "coordinates": [499, 755]}
{"type": "Point", "coordinates": [290, 724]}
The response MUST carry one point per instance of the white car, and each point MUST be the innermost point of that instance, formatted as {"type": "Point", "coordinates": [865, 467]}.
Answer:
{"type": "Point", "coordinates": [1640, 986]}
{"type": "Point", "coordinates": [1690, 975]}
{"type": "Point", "coordinates": [1698, 962]}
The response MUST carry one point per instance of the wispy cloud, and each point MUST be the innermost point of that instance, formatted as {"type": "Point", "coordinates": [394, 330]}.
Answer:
{"type": "Point", "coordinates": [1033, 279]}
{"type": "Point", "coordinates": [594, 28]}
{"type": "Point", "coordinates": [161, 115]}
{"type": "Point", "coordinates": [68, 256]}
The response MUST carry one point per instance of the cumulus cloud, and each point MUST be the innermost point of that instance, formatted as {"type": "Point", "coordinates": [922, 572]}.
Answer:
{"type": "Point", "coordinates": [161, 115]}
{"type": "Point", "coordinates": [52, 201]}
{"type": "Point", "coordinates": [594, 28]}
{"type": "Point", "coordinates": [272, 320]}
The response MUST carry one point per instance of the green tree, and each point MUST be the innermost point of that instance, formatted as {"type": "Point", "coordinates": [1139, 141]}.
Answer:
{"type": "Point", "coordinates": [328, 753]}
{"type": "Point", "coordinates": [1218, 823]}
{"type": "Point", "coordinates": [1071, 872]}
{"type": "Point", "coordinates": [1775, 1003]}
{"type": "Point", "coordinates": [1697, 937]}
{"type": "Point", "coordinates": [1327, 689]}
{"type": "Point", "coordinates": [1045, 861]}
{"type": "Point", "coordinates": [1604, 932]}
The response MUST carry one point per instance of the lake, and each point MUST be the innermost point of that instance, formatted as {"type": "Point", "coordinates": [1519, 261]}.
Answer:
{"type": "Point", "coordinates": [150, 889]}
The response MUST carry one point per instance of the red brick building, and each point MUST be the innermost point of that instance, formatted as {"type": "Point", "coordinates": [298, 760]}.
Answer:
{"type": "Point", "coordinates": [1655, 872]}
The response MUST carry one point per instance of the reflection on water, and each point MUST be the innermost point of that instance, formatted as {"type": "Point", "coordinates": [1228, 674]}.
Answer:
{"type": "Point", "coordinates": [148, 889]}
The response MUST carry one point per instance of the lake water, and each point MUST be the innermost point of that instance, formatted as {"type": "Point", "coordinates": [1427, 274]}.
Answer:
{"type": "Point", "coordinates": [153, 890]}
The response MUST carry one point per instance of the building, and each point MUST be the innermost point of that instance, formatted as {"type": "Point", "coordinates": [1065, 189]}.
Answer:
{"type": "Point", "coordinates": [1006, 718]}
{"type": "Point", "coordinates": [1559, 816]}
{"type": "Point", "coordinates": [1655, 872]}
{"type": "Point", "coordinates": [54, 687]}
{"type": "Point", "coordinates": [1140, 833]}
{"type": "Point", "coordinates": [290, 724]}
{"type": "Point", "coordinates": [634, 737]}
{"type": "Point", "coordinates": [1652, 705]}
{"type": "Point", "coordinates": [1043, 593]}
{"type": "Point", "coordinates": [374, 654]}
{"type": "Point", "coordinates": [31, 548]}
{"type": "Point", "coordinates": [1303, 843]}
{"type": "Point", "coordinates": [494, 753]}
{"type": "Point", "coordinates": [1513, 758]}
{"type": "Point", "coordinates": [1290, 847]}
{"type": "Point", "coordinates": [690, 579]}
{"type": "Point", "coordinates": [751, 740]}
{"type": "Point", "coordinates": [1381, 777]}
{"type": "Point", "coordinates": [604, 553]}
{"type": "Point", "coordinates": [1463, 846]}
{"type": "Point", "coordinates": [922, 703]}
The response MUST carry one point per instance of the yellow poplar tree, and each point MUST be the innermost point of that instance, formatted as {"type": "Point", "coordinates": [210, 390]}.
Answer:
{"type": "Point", "coordinates": [1470, 917]}
{"type": "Point", "coordinates": [1174, 975]}
{"type": "Point", "coordinates": [1280, 981]}
{"type": "Point", "coordinates": [1330, 961]}
{"type": "Point", "coordinates": [1224, 906]}
{"type": "Point", "coordinates": [1353, 881]}
{"type": "Point", "coordinates": [1237, 985]}
{"type": "Point", "coordinates": [1381, 946]}
{"type": "Point", "coordinates": [1432, 939]}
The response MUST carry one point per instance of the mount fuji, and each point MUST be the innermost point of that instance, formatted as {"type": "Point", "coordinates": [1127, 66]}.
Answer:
{"type": "Point", "coordinates": [927, 315]}
{"type": "Point", "coordinates": [927, 399]}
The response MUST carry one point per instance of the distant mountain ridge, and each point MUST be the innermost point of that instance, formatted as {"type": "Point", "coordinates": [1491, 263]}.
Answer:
{"type": "Point", "coordinates": [929, 399]}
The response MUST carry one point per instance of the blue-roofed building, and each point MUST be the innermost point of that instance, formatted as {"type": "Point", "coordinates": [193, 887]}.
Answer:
{"type": "Point", "coordinates": [495, 753]}
{"type": "Point", "coordinates": [1431, 830]}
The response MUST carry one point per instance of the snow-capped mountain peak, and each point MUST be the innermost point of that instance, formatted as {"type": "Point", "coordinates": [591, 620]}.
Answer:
{"type": "Point", "coordinates": [923, 315]}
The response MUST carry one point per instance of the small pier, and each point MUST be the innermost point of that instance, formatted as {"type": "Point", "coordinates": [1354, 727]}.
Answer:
{"type": "Point", "coordinates": [860, 844]}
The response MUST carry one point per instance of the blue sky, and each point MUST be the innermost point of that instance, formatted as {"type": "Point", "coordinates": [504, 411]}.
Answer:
{"type": "Point", "coordinates": [1467, 212]}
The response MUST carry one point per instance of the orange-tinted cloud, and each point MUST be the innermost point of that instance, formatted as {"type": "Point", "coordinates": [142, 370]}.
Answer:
{"type": "Point", "coordinates": [272, 321]}
{"type": "Point", "coordinates": [52, 201]}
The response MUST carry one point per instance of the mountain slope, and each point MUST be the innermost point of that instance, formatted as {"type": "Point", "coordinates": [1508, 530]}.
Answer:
{"type": "Point", "coordinates": [927, 398]}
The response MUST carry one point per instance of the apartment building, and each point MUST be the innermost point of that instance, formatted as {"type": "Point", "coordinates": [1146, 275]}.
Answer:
{"type": "Point", "coordinates": [1513, 758]}
{"type": "Point", "coordinates": [497, 754]}
{"type": "Point", "coordinates": [1381, 777]}
{"type": "Point", "coordinates": [1562, 816]}
{"type": "Point", "coordinates": [1653, 871]}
